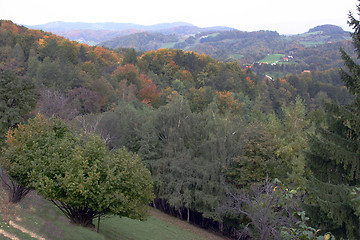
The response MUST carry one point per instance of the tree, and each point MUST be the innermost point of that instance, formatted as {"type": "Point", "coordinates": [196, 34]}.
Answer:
{"type": "Point", "coordinates": [290, 139]}
{"type": "Point", "coordinates": [17, 99]}
{"type": "Point", "coordinates": [55, 104]}
{"type": "Point", "coordinates": [193, 148]}
{"type": "Point", "coordinates": [84, 100]}
{"type": "Point", "coordinates": [130, 56]}
{"type": "Point", "coordinates": [26, 145]}
{"type": "Point", "coordinates": [226, 102]}
{"type": "Point", "coordinates": [258, 160]}
{"type": "Point", "coordinates": [98, 183]}
{"type": "Point", "coordinates": [334, 154]}
{"type": "Point", "coordinates": [148, 93]}
{"type": "Point", "coordinates": [268, 206]}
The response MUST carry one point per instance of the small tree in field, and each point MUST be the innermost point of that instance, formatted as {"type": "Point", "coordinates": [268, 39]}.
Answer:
{"type": "Point", "coordinates": [77, 172]}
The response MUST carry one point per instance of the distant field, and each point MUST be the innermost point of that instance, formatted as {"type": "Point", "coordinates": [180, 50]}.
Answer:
{"type": "Point", "coordinates": [168, 45]}
{"type": "Point", "coordinates": [309, 44]}
{"type": "Point", "coordinates": [237, 56]}
{"type": "Point", "coordinates": [272, 58]}
{"type": "Point", "coordinates": [311, 33]}
{"type": "Point", "coordinates": [36, 218]}
{"type": "Point", "coordinates": [213, 34]}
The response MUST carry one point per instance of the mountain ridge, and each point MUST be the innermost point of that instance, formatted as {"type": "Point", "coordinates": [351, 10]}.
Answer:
{"type": "Point", "coordinates": [95, 33]}
{"type": "Point", "coordinates": [112, 26]}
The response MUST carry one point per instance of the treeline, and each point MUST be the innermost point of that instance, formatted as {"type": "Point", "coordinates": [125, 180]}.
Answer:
{"type": "Point", "coordinates": [218, 139]}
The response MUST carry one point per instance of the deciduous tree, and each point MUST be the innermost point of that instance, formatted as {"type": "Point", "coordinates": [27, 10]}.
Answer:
{"type": "Point", "coordinates": [77, 172]}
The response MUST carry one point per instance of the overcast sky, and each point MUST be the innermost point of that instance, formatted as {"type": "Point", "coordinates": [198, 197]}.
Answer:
{"type": "Point", "coordinates": [284, 16]}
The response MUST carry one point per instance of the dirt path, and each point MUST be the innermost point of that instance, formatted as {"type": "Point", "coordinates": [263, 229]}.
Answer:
{"type": "Point", "coordinates": [8, 235]}
{"type": "Point", "coordinates": [24, 230]}
{"type": "Point", "coordinates": [186, 226]}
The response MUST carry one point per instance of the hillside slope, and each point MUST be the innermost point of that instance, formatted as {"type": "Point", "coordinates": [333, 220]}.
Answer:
{"type": "Point", "coordinates": [244, 47]}
{"type": "Point", "coordinates": [36, 218]}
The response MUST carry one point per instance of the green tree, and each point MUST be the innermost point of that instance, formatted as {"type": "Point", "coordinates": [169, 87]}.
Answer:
{"type": "Point", "coordinates": [257, 161]}
{"type": "Point", "coordinates": [26, 144]}
{"type": "Point", "coordinates": [98, 183]}
{"type": "Point", "coordinates": [334, 155]}
{"type": "Point", "coordinates": [273, 148]}
{"type": "Point", "coordinates": [195, 148]}
{"type": "Point", "coordinates": [130, 56]}
{"type": "Point", "coordinates": [17, 99]}
{"type": "Point", "coordinates": [291, 138]}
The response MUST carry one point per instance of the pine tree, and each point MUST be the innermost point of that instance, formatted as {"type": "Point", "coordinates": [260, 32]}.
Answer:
{"type": "Point", "coordinates": [334, 155]}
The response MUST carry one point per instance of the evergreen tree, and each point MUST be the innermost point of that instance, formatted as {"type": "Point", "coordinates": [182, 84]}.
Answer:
{"type": "Point", "coordinates": [333, 158]}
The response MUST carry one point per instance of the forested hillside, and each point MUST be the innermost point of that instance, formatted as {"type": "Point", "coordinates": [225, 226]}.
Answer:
{"type": "Point", "coordinates": [221, 43]}
{"type": "Point", "coordinates": [94, 33]}
{"type": "Point", "coordinates": [240, 46]}
{"type": "Point", "coordinates": [226, 146]}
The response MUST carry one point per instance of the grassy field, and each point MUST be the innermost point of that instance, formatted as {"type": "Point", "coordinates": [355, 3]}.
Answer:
{"type": "Point", "coordinates": [36, 218]}
{"type": "Point", "coordinates": [237, 56]}
{"type": "Point", "coordinates": [169, 44]}
{"type": "Point", "coordinates": [272, 58]}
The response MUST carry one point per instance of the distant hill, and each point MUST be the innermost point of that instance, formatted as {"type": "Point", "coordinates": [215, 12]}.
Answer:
{"type": "Point", "coordinates": [320, 35]}
{"type": "Point", "coordinates": [93, 37]}
{"type": "Point", "coordinates": [222, 43]}
{"type": "Point", "coordinates": [94, 33]}
{"type": "Point", "coordinates": [327, 29]}
{"type": "Point", "coordinates": [229, 45]}
{"type": "Point", "coordinates": [143, 41]}
{"type": "Point", "coordinates": [66, 26]}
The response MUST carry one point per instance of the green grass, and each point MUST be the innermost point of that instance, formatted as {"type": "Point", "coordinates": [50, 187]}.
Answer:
{"type": "Point", "coordinates": [152, 229]}
{"type": "Point", "coordinates": [42, 218]}
{"type": "Point", "coordinates": [213, 34]}
{"type": "Point", "coordinates": [309, 44]}
{"type": "Point", "coordinates": [272, 58]}
{"type": "Point", "coordinates": [311, 33]}
{"type": "Point", "coordinates": [237, 56]}
{"type": "Point", "coordinates": [168, 44]}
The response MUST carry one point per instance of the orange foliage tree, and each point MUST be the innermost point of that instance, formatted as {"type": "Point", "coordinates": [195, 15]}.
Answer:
{"type": "Point", "coordinates": [106, 56]}
{"type": "Point", "coordinates": [148, 93]}
{"type": "Point", "coordinates": [127, 72]}
{"type": "Point", "coordinates": [226, 102]}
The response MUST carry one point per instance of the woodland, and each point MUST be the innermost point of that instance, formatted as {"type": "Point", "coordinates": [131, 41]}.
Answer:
{"type": "Point", "coordinates": [221, 145]}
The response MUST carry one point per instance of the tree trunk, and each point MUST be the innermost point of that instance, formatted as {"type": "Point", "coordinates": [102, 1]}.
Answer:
{"type": "Point", "coordinates": [180, 213]}
{"type": "Point", "coordinates": [98, 226]}
{"type": "Point", "coordinates": [188, 215]}
{"type": "Point", "coordinates": [221, 227]}
{"type": "Point", "coordinates": [79, 216]}
{"type": "Point", "coordinates": [16, 192]}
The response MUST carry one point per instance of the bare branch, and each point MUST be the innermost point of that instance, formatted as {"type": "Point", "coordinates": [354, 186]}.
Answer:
{"type": "Point", "coordinates": [264, 206]}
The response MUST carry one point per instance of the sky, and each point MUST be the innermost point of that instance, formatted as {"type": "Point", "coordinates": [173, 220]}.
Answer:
{"type": "Point", "coordinates": [283, 16]}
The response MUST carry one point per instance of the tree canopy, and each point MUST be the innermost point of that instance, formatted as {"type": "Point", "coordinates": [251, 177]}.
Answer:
{"type": "Point", "coordinates": [98, 183]}
{"type": "Point", "coordinates": [333, 157]}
